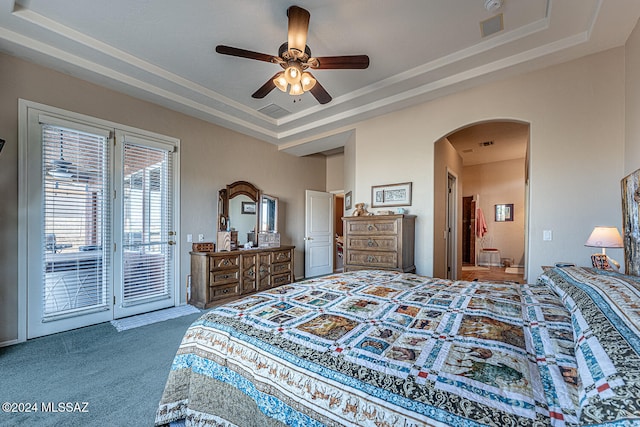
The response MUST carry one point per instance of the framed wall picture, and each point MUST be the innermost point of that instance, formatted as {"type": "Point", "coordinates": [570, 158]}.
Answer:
{"type": "Point", "coordinates": [391, 195]}
{"type": "Point", "coordinates": [504, 212]}
{"type": "Point", "coordinates": [347, 201]}
{"type": "Point", "coordinates": [249, 208]}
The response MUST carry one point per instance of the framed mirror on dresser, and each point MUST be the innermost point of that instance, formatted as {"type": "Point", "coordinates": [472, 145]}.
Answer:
{"type": "Point", "coordinates": [248, 256]}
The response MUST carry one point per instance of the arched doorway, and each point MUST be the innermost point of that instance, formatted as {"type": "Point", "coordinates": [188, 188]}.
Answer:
{"type": "Point", "coordinates": [489, 161]}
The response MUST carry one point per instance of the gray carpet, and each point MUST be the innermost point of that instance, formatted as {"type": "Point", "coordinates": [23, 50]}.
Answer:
{"type": "Point", "coordinates": [120, 374]}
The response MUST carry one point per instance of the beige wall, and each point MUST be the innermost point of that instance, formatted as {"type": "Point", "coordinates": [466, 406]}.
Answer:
{"type": "Point", "coordinates": [576, 112]}
{"type": "Point", "coordinates": [211, 158]}
{"type": "Point", "coordinates": [335, 172]}
{"type": "Point", "coordinates": [498, 183]}
{"type": "Point", "coordinates": [349, 165]}
{"type": "Point", "coordinates": [446, 160]}
{"type": "Point", "coordinates": [632, 103]}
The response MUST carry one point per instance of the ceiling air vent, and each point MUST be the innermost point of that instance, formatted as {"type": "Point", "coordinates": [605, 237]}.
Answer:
{"type": "Point", "coordinates": [274, 111]}
{"type": "Point", "coordinates": [485, 144]}
{"type": "Point", "coordinates": [492, 25]}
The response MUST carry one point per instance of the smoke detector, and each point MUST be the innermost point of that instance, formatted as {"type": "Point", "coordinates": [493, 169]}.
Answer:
{"type": "Point", "coordinates": [492, 5]}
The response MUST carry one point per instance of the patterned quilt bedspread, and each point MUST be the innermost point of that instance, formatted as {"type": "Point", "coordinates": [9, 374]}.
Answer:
{"type": "Point", "coordinates": [379, 348]}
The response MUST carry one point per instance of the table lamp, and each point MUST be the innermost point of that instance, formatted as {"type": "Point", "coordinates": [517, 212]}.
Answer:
{"type": "Point", "coordinates": [604, 237]}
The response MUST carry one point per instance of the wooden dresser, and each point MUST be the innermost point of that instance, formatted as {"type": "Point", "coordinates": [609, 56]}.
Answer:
{"type": "Point", "coordinates": [216, 276]}
{"type": "Point", "coordinates": [384, 242]}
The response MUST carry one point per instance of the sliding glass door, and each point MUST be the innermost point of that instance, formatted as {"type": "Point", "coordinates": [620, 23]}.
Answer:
{"type": "Point", "coordinates": [100, 216]}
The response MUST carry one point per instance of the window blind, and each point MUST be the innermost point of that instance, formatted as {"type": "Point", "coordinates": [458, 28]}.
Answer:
{"type": "Point", "coordinates": [147, 236]}
{"type": "Point", "coordinates": [76, 220]}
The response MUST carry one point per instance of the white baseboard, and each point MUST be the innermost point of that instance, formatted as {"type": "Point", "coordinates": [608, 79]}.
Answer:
{"type": "Point", "coordinates": [10, 342]}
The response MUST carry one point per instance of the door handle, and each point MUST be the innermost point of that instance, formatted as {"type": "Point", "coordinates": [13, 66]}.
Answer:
{"type": "Point", "coordinates": [171, 242]}
{"type": "Point", "coordinates": [308, 238]}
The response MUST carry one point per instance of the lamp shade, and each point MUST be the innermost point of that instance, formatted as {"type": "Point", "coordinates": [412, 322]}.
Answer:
{"type": "Point", "coordinates": [281, 82]}
{"type": "Point", "coordinates": [605, 237]}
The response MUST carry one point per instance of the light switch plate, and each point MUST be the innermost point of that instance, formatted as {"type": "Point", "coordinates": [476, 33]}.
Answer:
{"type": "Point", "coordinates": [547, 235]}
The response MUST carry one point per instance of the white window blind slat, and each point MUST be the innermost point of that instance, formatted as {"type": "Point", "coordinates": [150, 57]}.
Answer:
{"type": "Point", "coordinates": [76, 219]}
{"type": "Point", "coordinates": [147, 254]}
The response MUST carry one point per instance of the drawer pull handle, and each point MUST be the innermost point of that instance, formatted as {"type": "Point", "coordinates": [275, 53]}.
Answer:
{"type": "Point", "coordinates": [370, 243]}
{"type": "Point", "coordinates": [370, 227]}
{"type": "Point", "coordinates": [225, 262]}
{"type": "Point", "coordinates": [371, 258]}
{"type": "Point", "coordinates": [251, 272]}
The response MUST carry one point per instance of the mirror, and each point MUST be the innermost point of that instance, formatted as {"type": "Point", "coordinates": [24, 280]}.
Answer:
{"type": "Point", "coordinates": [242, 214]}
{"type": "Point", "coordinates": [238, 211]}
{"type": "Point", "coordinates": [268, 213]}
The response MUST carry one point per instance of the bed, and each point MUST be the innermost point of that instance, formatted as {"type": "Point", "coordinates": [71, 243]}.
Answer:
{"type": "Point", "coordinates": [382, 348]}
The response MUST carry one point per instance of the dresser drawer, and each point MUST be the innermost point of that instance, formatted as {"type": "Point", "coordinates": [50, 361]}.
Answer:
{"type": "Point", "coordinates": [375, 226]}
{"type": "Point", "coordinates": [280, 268]}
{"type": "Point", "coordinates": [280, 279]}
{"type": "Point", "coordinates": [280, 256]}
{"type": "Point", "coordinates": [224, 261]}
{"type": "Point", "coordinates": [219, 292]}
{"type": "Point", "coordinates": [374, 243]}
{"type": "Point", "coordinates": [372, 259]}
{"type": "Point", "coordinates": [224, 276]}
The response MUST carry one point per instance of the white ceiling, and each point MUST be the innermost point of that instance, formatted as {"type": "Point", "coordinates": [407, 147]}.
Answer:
{"type": "Point", "coordinates": [491, 142]}
{"type": "Point", "coordinates": [163, 51]}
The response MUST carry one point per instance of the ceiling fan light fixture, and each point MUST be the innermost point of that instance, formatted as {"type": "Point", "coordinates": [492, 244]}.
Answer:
{"type": "Point", "coordinates": [280, 82]}
{"type": "Point", "coordinates": [296, 89]}
{"type": "Point", "coordinates": [307, 81]}
{"type": "Point", "coordinates": [293, 73]}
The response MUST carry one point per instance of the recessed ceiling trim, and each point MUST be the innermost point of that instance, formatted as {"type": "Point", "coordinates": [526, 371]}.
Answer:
{"type": "Point", "coordinates": [594, 16]}
{"type": "Point", "coordinates": [106, 49]}
{"type": "Point", "coordinates": [64, 56]}
{"type": "Point", "coordinates": [445, 82]}
{"type": "Point", "coordinates": [266, 124]}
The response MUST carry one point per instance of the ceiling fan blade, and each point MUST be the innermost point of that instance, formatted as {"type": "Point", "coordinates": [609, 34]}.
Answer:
{"type": "Point", "coordinates": [298, 28]}
{"type": "Point", "coordinates": [349, 62]}
{"type": "Point", "coordinates": [265, 88]}
{"type": "Point", "coordinates": [320, 93]}
{"type": "Point", "coordinates": [242, 53]}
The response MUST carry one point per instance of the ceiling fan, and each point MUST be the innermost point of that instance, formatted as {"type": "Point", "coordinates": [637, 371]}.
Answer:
{"type": "Point", "coordinates": [294, 56]}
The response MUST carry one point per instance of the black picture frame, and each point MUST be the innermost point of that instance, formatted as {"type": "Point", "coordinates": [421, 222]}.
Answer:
{"type": "Point", "coordinates": [347, 201]}
{"type": "Point", "coordinates": [504, 212]}
{"type": "Point", "coordinates": [249, 208]}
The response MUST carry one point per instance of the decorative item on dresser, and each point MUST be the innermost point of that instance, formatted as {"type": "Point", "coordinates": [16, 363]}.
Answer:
{"type": "Point", "coordinates": [379, 242]}
{"type": "Point", "coordinates": [216, 276]}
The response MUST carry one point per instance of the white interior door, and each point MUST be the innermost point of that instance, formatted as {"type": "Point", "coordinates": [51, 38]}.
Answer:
{"type": "Point", "coordinates": [318, 247]}
{"type": "Point", "coordinates": [144, 250]}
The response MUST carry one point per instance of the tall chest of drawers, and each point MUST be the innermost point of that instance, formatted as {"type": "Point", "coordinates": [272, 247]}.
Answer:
{"type": "Point", "coordinates": [216, 276]}
{"type": "Point", "coordinates": [382, 242]}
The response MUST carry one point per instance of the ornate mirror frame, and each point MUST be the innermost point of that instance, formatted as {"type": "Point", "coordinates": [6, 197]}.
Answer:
{"type": "Point", "coordinates": [236, 189]}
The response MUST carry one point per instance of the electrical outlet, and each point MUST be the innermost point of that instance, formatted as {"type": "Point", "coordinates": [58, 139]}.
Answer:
{"type": "Point", "coordinates": [200, 237]}
{"type": "Point", "coordinates": [189, 238]}
{"type": "Point", "coordinates": [547, 235]}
